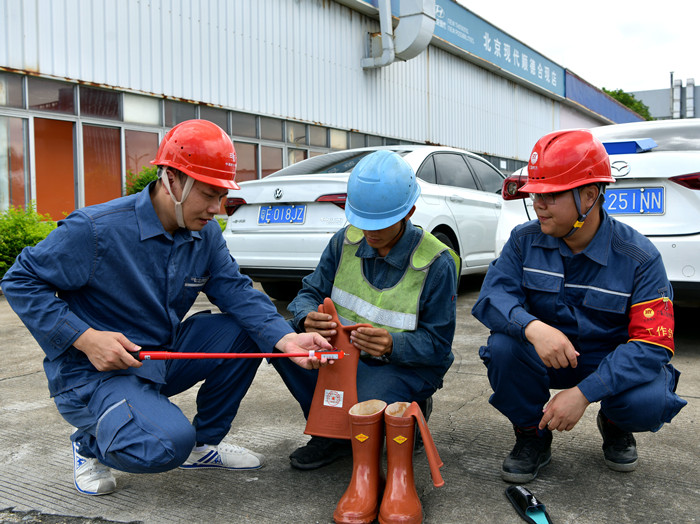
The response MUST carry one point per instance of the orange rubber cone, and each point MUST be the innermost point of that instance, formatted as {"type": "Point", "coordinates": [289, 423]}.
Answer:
{"type": "Point", "coordinates": [336, 386]}
{"type": "Point", "coordinates": [360, 502]}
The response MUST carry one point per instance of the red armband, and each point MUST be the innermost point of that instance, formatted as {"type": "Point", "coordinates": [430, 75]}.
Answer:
{"type": "Point", "coordinates": [652, 322]}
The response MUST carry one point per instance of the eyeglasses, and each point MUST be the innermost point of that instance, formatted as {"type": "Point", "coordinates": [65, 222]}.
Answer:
{"type": "Point", "coordinates": [547, 198]}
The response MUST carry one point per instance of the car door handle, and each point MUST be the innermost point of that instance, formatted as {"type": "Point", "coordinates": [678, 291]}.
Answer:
{"type": "Point", "coordinates": [456, 198]}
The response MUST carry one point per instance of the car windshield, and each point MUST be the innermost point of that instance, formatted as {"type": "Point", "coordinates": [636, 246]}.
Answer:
{"type": "Point", "coordinates": [340, 162]}
{"type": "Point", "coordinates": [670, 138]}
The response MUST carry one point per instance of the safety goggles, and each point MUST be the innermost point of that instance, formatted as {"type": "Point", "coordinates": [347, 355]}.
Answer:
{"type": "Point", "coordinates": [546, 198]}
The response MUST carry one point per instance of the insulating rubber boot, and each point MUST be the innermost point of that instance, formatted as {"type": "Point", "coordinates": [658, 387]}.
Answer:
{"type": "Point", "coordinates": [400, 503]}
{"type": "Point", "coordinates": [360, 503]}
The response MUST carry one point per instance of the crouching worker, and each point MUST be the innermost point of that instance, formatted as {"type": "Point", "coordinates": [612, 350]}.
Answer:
{"type": "Point", "coordinates": [580, 302]}
{"type": "Point", "coordinates": [384, 271]}
{"type": "Point", "coordinates": [116, 276]}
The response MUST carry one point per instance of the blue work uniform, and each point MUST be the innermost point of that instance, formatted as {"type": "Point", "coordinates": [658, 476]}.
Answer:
{"type": "Point", "coordinates": [113, 267]}
{"type": "Point", "coordinates": [420, 358]}
{"type": "Point", "coordinates": [612, 301]}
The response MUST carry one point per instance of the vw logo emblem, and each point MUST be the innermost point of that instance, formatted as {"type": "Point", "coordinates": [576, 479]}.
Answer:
{"type": "Point", "coordinates": [620, 169]}
{"type": "Point", "coordinates": [278, 193]}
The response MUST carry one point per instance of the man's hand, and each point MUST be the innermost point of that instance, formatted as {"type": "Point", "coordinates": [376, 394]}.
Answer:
{"type": "Point", "coordinates": [107, 350]}
{"type": "Point", "coordinates": [553, 346]}
{"type": "Point", "coordinates": [297, 342]}
{"type": "Point", "coordinates": [564, 410]}
{"type": "Point", "coordinates": [375, 341]}
{"type": "Point", "coordinates": [317, 322]}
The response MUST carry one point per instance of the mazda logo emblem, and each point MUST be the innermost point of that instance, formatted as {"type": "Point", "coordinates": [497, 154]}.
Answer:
{"type": "Point", "coordinates": [278, 193]}
{"type": "Point", "coordinates": [620, 169]}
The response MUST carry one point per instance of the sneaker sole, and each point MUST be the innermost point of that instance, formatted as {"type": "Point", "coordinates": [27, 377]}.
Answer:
{"type": "Point", "coordinates": [522, 478]}
{"type": "Point", "coordinates": [623, 468]}
{"type": "Point", "coordinates": [213, 466]}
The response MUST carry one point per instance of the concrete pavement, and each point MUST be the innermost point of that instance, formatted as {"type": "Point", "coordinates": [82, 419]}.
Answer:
{"type": "Point", "coordinates": [36, 482]}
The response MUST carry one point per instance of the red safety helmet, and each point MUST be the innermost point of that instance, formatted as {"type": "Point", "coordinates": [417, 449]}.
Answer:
{"type": "Point", "coordinates": [202, 150]}
{"type": "Point", "coordinates": [566, 159]}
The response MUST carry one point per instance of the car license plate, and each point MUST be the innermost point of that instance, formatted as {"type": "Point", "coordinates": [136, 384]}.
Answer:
{"type": "Point", "coordinates": [291, 214]}
{"type": "Point", "coordinates": [635, 201]}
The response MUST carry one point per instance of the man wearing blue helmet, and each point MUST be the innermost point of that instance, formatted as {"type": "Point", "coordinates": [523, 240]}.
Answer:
{"type": "Point", "coordinates": [384, 271]}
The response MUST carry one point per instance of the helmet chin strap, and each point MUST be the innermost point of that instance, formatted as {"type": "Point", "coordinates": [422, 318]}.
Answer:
{"type": "Point", "coordinates": [582, 216]}
{"type": "Point", "coordinates": [185, 191]}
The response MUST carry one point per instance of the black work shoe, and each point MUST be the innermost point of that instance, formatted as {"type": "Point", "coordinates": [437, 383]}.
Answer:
{"type": "Point", "coordinates": [619, 447]}
{"type": "Point", "coordinates": [530, 453]}
{"type": "Point", "coordinates": [320, 451]}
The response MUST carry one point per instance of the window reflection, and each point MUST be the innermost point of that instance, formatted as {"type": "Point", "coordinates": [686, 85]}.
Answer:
{"type": "Point", "coordinates": [51, 95]}
{"type": "Point", "coordinates": [99, 103]}
{"type": "Point", "coordinates": [247, 167]}
{"type": "Point", "coordinates": [271, 159]}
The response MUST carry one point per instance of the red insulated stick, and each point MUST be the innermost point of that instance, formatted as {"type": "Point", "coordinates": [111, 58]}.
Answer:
{"type": "Point", "coordinates": [170, 355]}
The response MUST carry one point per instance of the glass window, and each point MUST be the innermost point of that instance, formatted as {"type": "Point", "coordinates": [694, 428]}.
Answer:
{"type": "Point", "coordinates": [427, 170]}
{"type": "Point", "coordinates": [102, 164]}
{"type": "Point", "coordinates": [296, 133]}
{"type": "Point", "coordinates": [296, 155]}
{"type": "Point", "coordinates": [13, 165]}
{"type": "Point", "coordinates": [140, 148]}
{"type": "Point", "coordinates": [55, 179]}
{"type": "Point", "coordinates": [271, 128]}
{"type": "Point", "coordinates": [452, 170]}
{"type": "Point", "coordinates": [99, 103]}
{"type": "Point", "coordinates": [318, 136]}
{"type": "Point", "coordinates": [247, 161]}
{"type": "Point", "coordinates": [356, 140]}
{"type": "Point", "coordinates": [271, 159]}
{"type": "Point", "coordinates": [176, 112]}
{"type": "Point", "coordinates": [243, 124]}
{"type": "Point", "coordinates": [11, 90]}
{"type": "Point", "coordinates": [51, 95]}
{"type": "Point", "coordinates": [339, 139]}
{"type": "Point", "coordinates": [141, 109]}
{"type": "Point", "coordinates": [489, 178]}
{"type": "Point", "coordinates": [215, 114]}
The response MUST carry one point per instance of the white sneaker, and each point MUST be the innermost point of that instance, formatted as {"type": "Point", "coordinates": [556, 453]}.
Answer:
{"type": "Point", "coordinates": [91, 477]}
{"type": "Point", "coordinates": [226, 456]}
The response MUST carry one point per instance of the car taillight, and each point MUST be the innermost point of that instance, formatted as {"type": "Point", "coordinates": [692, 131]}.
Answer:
{"type": "Point", "coordinates": [338, 199]}
{"type": "Point", "coordinates": [691, 181]}
{"type": "Point", "coordinates": [511, 188]}
{"type": "Point", "coordinates": [232, 204]}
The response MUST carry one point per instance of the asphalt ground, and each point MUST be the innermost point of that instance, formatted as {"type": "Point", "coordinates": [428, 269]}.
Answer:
{"type": "Point", "coordinates": [36, 483]}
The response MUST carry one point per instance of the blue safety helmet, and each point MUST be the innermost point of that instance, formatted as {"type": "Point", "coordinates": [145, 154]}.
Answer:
{"type": "Point", "coordinates": [382, 189]}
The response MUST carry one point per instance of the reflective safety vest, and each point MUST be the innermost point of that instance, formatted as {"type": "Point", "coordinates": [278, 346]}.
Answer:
{"type": "Point", "coordinates": [394, 309]}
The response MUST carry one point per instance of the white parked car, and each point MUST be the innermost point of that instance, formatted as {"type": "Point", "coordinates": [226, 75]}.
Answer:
{"type": "Point", "coordinates": [279, 226]}
{"type": "Point", "coordinates": [656, 166]}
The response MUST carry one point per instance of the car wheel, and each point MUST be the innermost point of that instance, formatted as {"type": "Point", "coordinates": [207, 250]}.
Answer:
{"type": "Point", "coordinates": [281, 289]}
{"type": "Point", "coordinates": [442, 237]}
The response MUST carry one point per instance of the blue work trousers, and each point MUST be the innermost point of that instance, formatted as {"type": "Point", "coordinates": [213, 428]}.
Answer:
{"type": "Point", "coordinates": [129, 423]}
{"type": "Point", "coordinates": [375, 380]}
{"type": "Point", "coordinates": [521, 384]}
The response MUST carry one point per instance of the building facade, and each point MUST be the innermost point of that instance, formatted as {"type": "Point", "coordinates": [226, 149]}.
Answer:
{"type": "Point", "coordinates": [678, 101]}
{"type": "Point", "coordinates": [88, 89]}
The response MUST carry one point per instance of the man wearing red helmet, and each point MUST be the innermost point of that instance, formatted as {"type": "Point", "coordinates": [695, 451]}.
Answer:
{"type": "Point", "coordinates": [118, 276]}
{"type": "Point", "coordinates": [579, 302]}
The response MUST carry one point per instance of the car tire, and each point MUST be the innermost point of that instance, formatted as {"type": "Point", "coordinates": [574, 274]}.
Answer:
{"type": "Point", "coordinates": [281, 289]}
{"type": "Point", "coordinates": [442, 237]}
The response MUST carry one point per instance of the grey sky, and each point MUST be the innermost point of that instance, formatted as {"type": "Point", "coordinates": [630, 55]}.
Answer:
{"type": "Point", "coordinates": [616, 44]}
